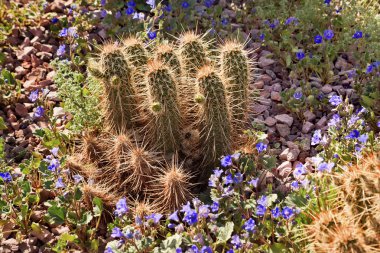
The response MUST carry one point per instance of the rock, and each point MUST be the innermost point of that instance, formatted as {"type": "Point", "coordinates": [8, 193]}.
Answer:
{"type": "Point", "coordinates": [289, 154]}
{"type": "Point", "coordinates": [309, 116]}
{"type": "Point", "coordinates": [53, 96]}
{"type": "Point", "coordinates": [321, 123]}
{"type": "Point", "coordinates": [275, 96]}
{"type": "Point", "coordinates": [307, 127]}
{"type": "Point", "coordinates": [10, 244]}
{"type": "Point", "coordinates": [284, 118]}
{"type": "Point", "coordinates": [37, 215]}
{"type": "Point", "coordinates": [58, 112]}
{"type": "Point", "coordinates": [259, 109]}
{"type": "Point", "coordinates": [42, 234]}
{"type": "Point", "coordinates": [258, 85]}
{"type": "Point", "coordinates": [45, 83]}
{"type": "Point", "coordinates": [102, 33]}
{"type": "Point", "coordinates": [267, 79]}
{"type": "Point", "coordinates": [35, 61]}
{"type": "Point", "coordinates": [283, 129]}
{"type": "Point", "coordinates": [44, 56]}
{"type": "Point", "coordinates": [342, 64]}
{"type": "Point", "coordinates": [7, 229]}
{"type": "Point", "coordinates": [21, 71]}
{"type": "Point", "coordinates": [60, 230]}
{"type": "Point", "coordinates": [21, 110]}
{"type": "Point", "coordinates": [284, 170]}
{"type": "Point", "coordinates": [326, 89]}
{"type": "Point", "coordinates": [270, 73]}
{"type": "Point", "coordinates": [277, 87]}
{"type": "Point", "coordinates": [270, 121]}
{"type": "Point", "coordinates": [46, 48]}
{"type": "Point", "coordinates": [265, 62]}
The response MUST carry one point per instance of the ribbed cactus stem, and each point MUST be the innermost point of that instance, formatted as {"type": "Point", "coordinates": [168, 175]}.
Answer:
{"type": "Point", "coordinates": [214, 115]}
{"type": "Point", "coordinates": [166, 54]}
{"type": "Point", "coordinates": [236, 70]}
{"type": "Point", "coordinates": [120, 100]}
{"type": "Point", "coordinates": [165, 122]}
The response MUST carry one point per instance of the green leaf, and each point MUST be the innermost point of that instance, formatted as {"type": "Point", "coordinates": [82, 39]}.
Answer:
{"type": "Point", "coordinates": [3, 126]}
{"type": "Point", "coordinates": [85, 219]}
{"type": "Point", "coordinates": [277, 248]}
{"type": "Point", "coordinates": [56, 215]}
{"type": "Point", "coordinates": [78, 194]}
{"type": "Point", "coordinates": [269, 162]}
{"type": "Point", "coordinates": [171, 243]}
{"type": "Point", "coordinates": [98, 209]}
{"type": "Point", "coordinates": [224, 233]}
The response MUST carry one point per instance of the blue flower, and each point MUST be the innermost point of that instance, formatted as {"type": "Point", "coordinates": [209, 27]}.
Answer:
{"type": "Point", "coordinates": [206, 249]}
{"type": "Point", "coordinates": [369, 69]}
{"type": "Point", "coordinates": [254, 182]}
{"type": "Point", "coordinates": [151, 3]}
{"type": "Point", "coordinates": [328, 34]}
{"type": "Point", "coordinates": [174, 216]}
{"type": "Point", "coordinates": [224, 21]}
{"type": "Point", "coordinates": [39, 112]}
{"type": "Point", "coordinates": [218, 173]}
{"type": "Point", "coordinates": [185, 5]}
{"type": "Point", "coordinates": [186, 208]}
{"type": "Point", "coordinates": [204, 211]}
{"type": "Point", "coordinates": [193, 249]}
{"type": "Point", "coordinates": [318, 39]}
{"type": "Point", "coordinates": [54, 20]}
{"type": "Point", "coordinates": [335, 100]}
{"type": "Point", "coordinates": [351, 73]}
{"type": "Point", "coordinates": [334, 121]}
{"type": "Point", "coordinates": [327, 2]}
{"type": "Point", "coordinates": [260, 210]}
{"type": "Point", "coordinates": [54, 165]}
{"type": "Point", "coordinates": [103, 13]}
{"type": "Point", "coordinates": [261, 147]}
{"type": "Point", "coordinates": [353, 119]}
{"type": "Point", "coordinates": [209, 3]}
{"type": "Point", "coordinates": [6, 176]}
{"type": "Point", "coordinates": [63, 32]}
{"type": "Point", "coordinates": [128, 234]}
{"type": "Point", "coordinates": [178, 250]}
{"type": "Point", "coordinates": [295, 185]}
{"type": "Point", "coordinates": [262, 37]}
{"type": "Point", "coordinates": [155, 217]}
{"type": "Point", "coordinates": [191, 217]}
{"type": "Point", "coordinates": [168, 8]}
{"type": "Point", "coordinates": [215, 206]}
{"type": "Point", "coordinates": [298, 95]}
{"type": "Point", "coordinates": [228, 179]}
{"type": "Point", "coordinates": [131, 3]}
{"type": "Point", "coordinates": [263, 200]}
{"type": "Point", "coordinates": [238, 178]}
{"type": "Point", "coordinates": [103, 2]}
{"type": "Point", "coordinates": [121, 207]}
{"type": "Point", "coordinates": [275, 23]}
{"type": "Point", "coordinates": [59, 183]}
{"type": "Point", "coordinates": [287, 212]}
{"type": "Point", "coordinates": [230, 251]}
{"type": "Point", "coordinates": [276, 212]}
{"type": "Point", "coordinates": [325, 167]}
{"type": "Point", "coordinates": [152, 35]}
{"type": "Point", "coordinates": [61, 50]}
{"type": "Point", "coordinates": [353, 134]}
{"type": "Point", "coordinates": [378, 124]}
{"type": "Point", "coordinates": [77, 178]}
{"type": "Point", "coordinates": [236, 241]}
{"type": "Point", "coordinates": [116, 233]}
{"type": "Point", "coordinates": [54, 151]}
{"type": "Point", "coordinates": [226, 161]}
{"type": "Point", "coordinates": [299, 170]}
{"type": "Point", "coordinates": [129, 11]}
{"type": "Point", "coordinates": [250, 225]}
{"type": "Point", "coordinates": [33, 96]}
{"type": "Point", "coordinates": [291, 20]}
{"type": "Point", "coordinates": [357, 35]}
{"type": "Point", "coordinates": [317, 136]}
{"type": "Point", "coordinates": [108, 250]}
{"type": "Point", "coordinates": [300, 55]}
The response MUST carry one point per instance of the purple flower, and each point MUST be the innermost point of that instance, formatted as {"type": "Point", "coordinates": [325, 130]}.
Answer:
{"type": "Point", "coordinates": [291, 20]}
{"type": "Point", "coordinates": [254, 182]}
{"type": "Point", "coordinates": [6, 176]}
{"type": "Point", "coordinates": [131, 3]}
{"type": "Point", "coordinates": [156, 217]}
{"type": "Point", "coordinates": [351, 73]}
{"type": "Point", "coordinates": [203, 211]}
{"type": "Point", "coordinates": [191, 217]}
{"type": "Point", "coordinates": [260, 210]}
{"type": "Point", "coordinates": [299, 170]}
{"type": "Point", "coordinates": [263, 200]}
{"type": "Point", "coordinates": [335, 100]}
{"type": "Point", "coordinates": [300, 55]}
{"type": "Point", "coordinates": [295, 185]}
{"type": "Point", "coordinates": [151, 3]}
{"type": "Point", "coordinates": [328, 34]}
{"type": "Point", "coordinates": [54, 151]}
{"type": "Point", "coordinates": [261, 147]}
{"type": "Point", "coordinates": [121, 207]}
{"type": "Point", "coordinates": [33, 96]}
{"type": "Point", "coordinates": [276, 212]}
{"type": "Point", "coordinates": [357, 35]}
{"type": "Point", "coordinates": [178, 250]}
{"type": "Point", "coordinates": [353, 120]}
{"type": "Point", "coordinates": [59, 183]}
{"type": "Point", "coordinates": [275, 23]}
{"type": "Point", "coordinates": [228, 179]}
{"type": "Point", "coordinates": [226, 161]}
{"type": "Point", "coordinates": [298, 95]}
{"type": "Point", "coordinates": [103, 13]}
{"type": "Point", "coordinates": [224, 21]}
{"type": "Point", "coordinates": [369, 69]}
{"type": "Point", "coordinates": [378, 124]}
{"type": "Point", "coordinates": [140, 16]}
{"type": "Point", "coordinates": [317, 136]}
{"type": "Point", "coordinates": [238, 178]}
{"type": "Point", "coordinates": [209, 3]}
{"type": "Point", "coordinates": [318, 39]}
{"type": "Point", "coordinates": [118, 15]}
{"type": "Point", "coordinates": [63, 32]}
{"type": "Point", "coordinates": [174, 216]}
{"type": "Point", "coordinates": [185, 5]}
{"type": "Point", "coordinates": [54, 165]}
{"type": "Point", "coordinates": [287, 212]}
{"type": "Point", "coordinates": [215, 206]}
{"type": "Point", "coordinates": [236, 241]}
{"type": "Point", "coordinates": [152, 35]}
{"type": "Point", "coordinates": [116, 233]}
{"type": "Point", "coordinates": [186, 208]}
{"type": "Point", "coordinates": [129, 11]}
{"type": "Point", "coordinates": [61, 50]}
{"type": "Point", "coordinates": [230, 251]}
{"type": "Point", "coordinates": [206, 249]}
{"type": "Point", "coordinates": [335, 120]}
{"type": "Point", "coordinates": [250, 225]}
{"type": "Point", "coordinates": [353, 134]}
{"type": "Point", "coordinates": [325, 167]}
{"type": "Point", "coordinates": [103, 2]}
{"type": "Point", "coordinates": [262, 37]}
{"type": "Point", "coordinates": [128, 234]}
{"type": "Point", "coordinates": [108, 250]}
{"type": "Point", "coordinates": [77, 178]}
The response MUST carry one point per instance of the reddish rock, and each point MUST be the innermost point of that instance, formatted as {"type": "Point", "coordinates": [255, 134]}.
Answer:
{"type": "Point", "coordinates": [21, 110]}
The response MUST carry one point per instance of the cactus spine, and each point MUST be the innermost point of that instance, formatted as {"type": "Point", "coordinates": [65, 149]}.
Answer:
{"type": "Point", "coordinates": [213, 115]}
{"type": "Point", "coordinates": [165, 125]}
{"type": "Point", "coordinates": [236, 71]}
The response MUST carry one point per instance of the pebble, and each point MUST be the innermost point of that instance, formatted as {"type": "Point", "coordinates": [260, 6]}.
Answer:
{"type": "Point", "coordinates": [284, 169]}
{"type": "Point", "coordinates": [21, 110]}
{"type": "Point", "coordinates": [309, 116]}
{"type": "Point", "coordinates": [58, 112]}
{"type": "Point", "coordinates": [275, 96]}
{"type": "Point", "coordinates": [270, 121]}
{"type": "Point", "coordinates": [289, 154]}
{"type": "Point", "coordinates": [283, 130]}
{"type": "Point", "coordinates": [259, 109]}
{"type": "Point", "coordinates": [284, 118]}
{"type": "Point", "coordinates": [326, 89]}
{"type": "Point", "coordinates": [307, 127]}
{"type": "Point", "coordinates": [321, 123]}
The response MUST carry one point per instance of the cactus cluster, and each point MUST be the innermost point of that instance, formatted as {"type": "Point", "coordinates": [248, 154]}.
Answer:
{"type": "Point", "coordinates": [170, 112]}
{"type": "Point", "coordinates": [353, 224]}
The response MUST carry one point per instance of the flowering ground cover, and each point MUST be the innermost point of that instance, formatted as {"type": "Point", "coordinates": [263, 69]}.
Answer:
{"type": "Point", "coordinates": [189, 126]}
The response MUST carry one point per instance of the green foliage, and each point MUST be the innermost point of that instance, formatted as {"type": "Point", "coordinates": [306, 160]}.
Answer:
{"type": "Point", "coordinates": [80, 96]}
{"type": "Point", "coordinates": [10, 88]}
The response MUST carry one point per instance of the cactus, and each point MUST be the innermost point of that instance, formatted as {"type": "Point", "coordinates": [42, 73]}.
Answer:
{"type": "Point", "coordinates": [164, 127]}
{"type": "Point", "coordinates": [172, 100]}
{"type": "Point", "coordinates": [213, 114]}
{"type": "Point", "coordinates": [236, 71]}
{"type": "Point", "coordinates": [120, 102]}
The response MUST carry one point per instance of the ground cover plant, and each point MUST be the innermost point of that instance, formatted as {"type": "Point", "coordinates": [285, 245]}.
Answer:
{"type": "Point", "coordinates": [189, 126]}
